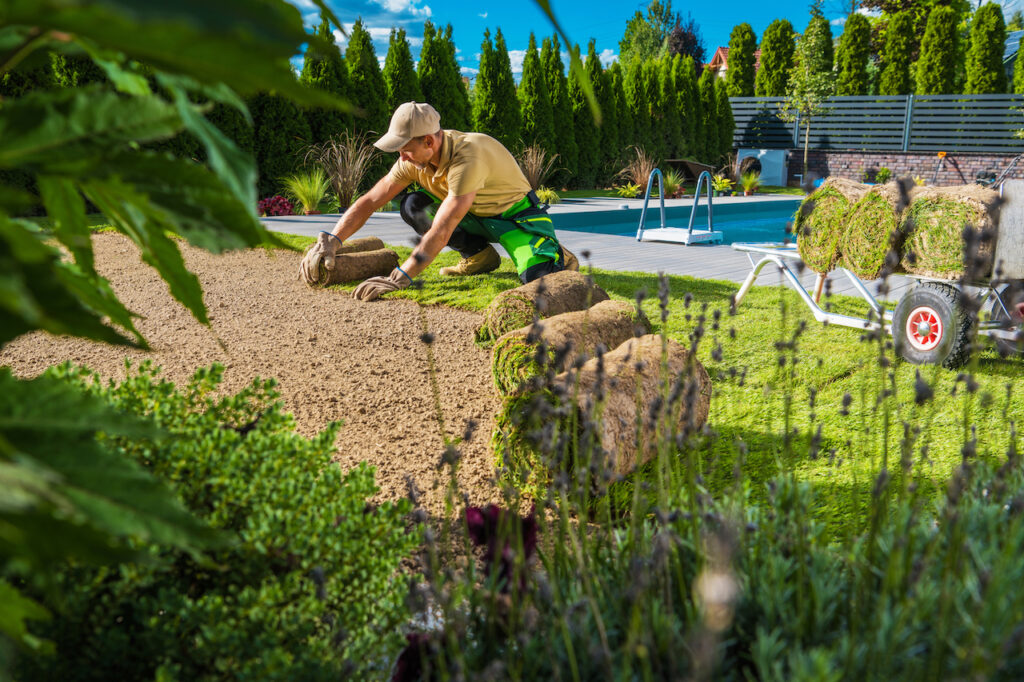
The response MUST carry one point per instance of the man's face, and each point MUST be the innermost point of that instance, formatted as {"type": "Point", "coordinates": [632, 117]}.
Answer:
{"type": "Point", "coordinates": [418, 151]}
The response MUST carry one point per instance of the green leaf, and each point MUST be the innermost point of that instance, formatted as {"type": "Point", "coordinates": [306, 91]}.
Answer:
{"type": "Point", "coordinates": [132, 213]}
{"type": "Point", "coordinates": [236, 168]}
{"type": "Point", "coordinates": [60, 131]}
{"type": "Point", "coordinates": [218, 92]}
{"type": "Point", "coordinates": [18, 609]}
{"type": "Point", "coordinates": [246, 44]}
{"type": "Point", "coordinates": [38, 291]}
{"type": "Point", "coordinates": [66, 209]}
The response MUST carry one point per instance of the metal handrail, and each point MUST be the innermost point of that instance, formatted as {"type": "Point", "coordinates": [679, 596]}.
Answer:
{"type": "Point", "coordinates": [696, 199]}
{"type": "Point", "coordinates": [647, 196]}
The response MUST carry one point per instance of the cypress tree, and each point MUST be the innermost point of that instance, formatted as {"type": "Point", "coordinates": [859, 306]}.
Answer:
{"type": "Point", "coordinates": [818, 38]}
{"type": "Point", "coordinates": [656, 139]}
{"type": "Point", "coordinates": [440, 79]}
{"type": "Point", "coordinates": [726, 122]}
{"type": "Point", "coordinates": [668, 104]}
{"type": "Point", "coordinates": [708, 146]}
{"type": "Point", "coordinates": [281, 133]}
{"type": "Point", "coordinates": [690, 116]}
{"type": "Point", "coordinates": [495, 90]}
{"type": "Point", "coordinates": [637, 103]}
{"type": "Point", "coordinates": [535, 103]}
{"type": "Point", "coordinates": [561, 108]}
{"type": "Point", "coordinates": [625, 121]}
{"type": "Point", "coordinates": [323, 68]}
{"type": "Point", "coordinates": [777, 50]}
{"type": "Point", "coordinates": [587, 135]}
{"type": "Point", "coordinates": [985, 72]}
{"type": "Point", "coordinates": [367, 82]}
{"type": "Point", "coordinates": [936, 69]}
{"type": "Point", "coordinates": [852, 58]}
{"type": "Point", "coordinates": [607, 132]}
{"type": "Point", "coordinates": [899, 44]}
{"type": "Point", "coordinates": [739, 77]}
{"type": "Point", "coordinates": [400, 81]}
{"type": "Point", "coordinates": [1018, 69]}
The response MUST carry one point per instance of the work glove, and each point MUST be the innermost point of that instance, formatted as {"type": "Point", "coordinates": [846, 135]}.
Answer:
{"type": "Point", "coordinates": [373, 288]}
{"type": "Point", "coordinates": [320, 254]}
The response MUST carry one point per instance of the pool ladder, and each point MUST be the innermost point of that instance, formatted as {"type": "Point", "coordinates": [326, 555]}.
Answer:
{"type": "Point", "coordinates": [676, 235]}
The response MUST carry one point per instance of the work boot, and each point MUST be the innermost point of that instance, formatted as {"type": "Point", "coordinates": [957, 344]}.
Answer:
{"type": "Point", "coordinates": [569, 260]}
{"type": "Point", "coordinates": [485, 261]}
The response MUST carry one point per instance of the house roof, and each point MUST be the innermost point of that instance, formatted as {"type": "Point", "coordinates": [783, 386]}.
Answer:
{"type": "Point", "coordinates": [720, 60]}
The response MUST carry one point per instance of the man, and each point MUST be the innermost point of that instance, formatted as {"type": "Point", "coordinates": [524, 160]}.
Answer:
{"type": "Point", "coordinates": [473, 195]}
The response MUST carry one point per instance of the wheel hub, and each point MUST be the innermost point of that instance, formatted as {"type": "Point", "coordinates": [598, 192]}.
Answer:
{"type": "Point", "coordinates": [924, 328]}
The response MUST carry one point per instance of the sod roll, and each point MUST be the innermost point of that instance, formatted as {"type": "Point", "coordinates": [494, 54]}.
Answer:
{"type": "Point", "coordinates": [560, 292]}
{"type": "Point", "coordinates": [359, 265]}
{"type": "Point", "coordinates": [935, 223]}
{"type": "Point", "coordinates": [540, 433]}
{"type": "Point", "coordinates": [873, 231]}
{"type": "Point", "coordinates": [522, 354]}
{"type": "Point", "coordinates": [821, 220]}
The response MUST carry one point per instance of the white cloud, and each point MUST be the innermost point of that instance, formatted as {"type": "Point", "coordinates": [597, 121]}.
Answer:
{"type": "Point", "coordinates": [305, 5]}
{"type": "Point", "coordinates": [607, 56]}
{"type": "Point", "coordinates": [838, 22]}
{"type": "Point", "coordinates": [461, 59]}
{"type": "Point", "coordinates": [469, 71]}
{"type": "Point", "coordinates": [516, 57]}
{"type": "Point", "coordinates": [405, 6]}
{"type": "Point", "coordinates": [483, 16]}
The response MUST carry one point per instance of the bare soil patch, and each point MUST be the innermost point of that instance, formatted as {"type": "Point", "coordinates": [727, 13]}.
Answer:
{"type": "Point", "coordinates": [335, 358]}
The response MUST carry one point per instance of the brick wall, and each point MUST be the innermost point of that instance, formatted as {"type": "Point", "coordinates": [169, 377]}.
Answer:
{"type": "Point", "coordinates": [957, 169]}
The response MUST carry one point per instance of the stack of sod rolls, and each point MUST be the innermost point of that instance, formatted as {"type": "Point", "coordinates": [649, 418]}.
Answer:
{"type": "Point", "coordinates": [935, 226]}
{"type": "Point", "coordinates": [873, 231]}
{"type": "Point", "coordinates": [605, 419]}
{"type": "Point", "coordinates": [821, 219]}
{"type": "Point", "coordinates": [553, 294]}
{"type": "Point", "coordinates": [356, 260]}
{"type": "Point", "coordinates": [561, 341]}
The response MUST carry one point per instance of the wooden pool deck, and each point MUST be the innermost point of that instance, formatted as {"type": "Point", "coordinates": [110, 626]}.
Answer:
{"type": "Point", "coordinates": [612, 252]}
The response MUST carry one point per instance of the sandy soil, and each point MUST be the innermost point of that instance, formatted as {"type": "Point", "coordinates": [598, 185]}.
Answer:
{"type": "Point", "coordinates": [334, 358]}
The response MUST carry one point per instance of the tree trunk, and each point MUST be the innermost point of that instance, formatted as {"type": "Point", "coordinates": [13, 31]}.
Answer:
{"type": "Point", "coordinates": [807, 144]}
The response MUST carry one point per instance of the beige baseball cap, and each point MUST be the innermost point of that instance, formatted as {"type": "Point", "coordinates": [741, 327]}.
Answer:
{"type": "Point", "coordinates": [412, 119]}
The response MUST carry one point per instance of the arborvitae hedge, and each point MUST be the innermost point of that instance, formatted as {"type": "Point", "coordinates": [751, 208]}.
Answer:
{"type": "Point", "coordinates": [608, 132]}
{"type": "Point", "coordinates": [282, 133]}
{"type": "Point", "coordinates": [1018, 69]}
{"type": "Point", "coordinates": [368, 91]}
{"type": "Point", "coordinates": [739, 77]}
{"type": "Point", "coordinates": [709, 145]}
{"type": "Point", "coordinates": [400, 79]}
{"type": "Point", "coordinates": [494, 97]}
{"type": "Point", "coordinates": [777, 49]}
{"type": "Point", "coordinates": [852, 59]}
{"type": "Point", "coordinates": [535, 102]}
{"type": "Point", "coordinates": [561, 109]}
{"type": "Point", "coordinates": [726, 123]}
{"type": "Point", "coordinates": [819, 45]}
{"type": "Point", "coordinates": [936, 68]}
{"type": "Point", "coordinates": [684, 74]}
{"type": "Point", "coordinates": [587, 135]}
{"type": "Point", "coordinates": [899, 45]}
{"type": "Point", "coordinates": [985, 72]}
{"type": "Point", "coordinates": [440, 80]}
{"type": "Point", "coordinates": [323, 68]}
{"type": "Point", "coordinates": [668, 104]}
{"type": "Point", "coordinates": [627, 132]}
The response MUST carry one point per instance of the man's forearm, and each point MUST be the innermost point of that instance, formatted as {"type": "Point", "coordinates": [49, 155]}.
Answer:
{"type": "Point", "coordinates": [426, 251]}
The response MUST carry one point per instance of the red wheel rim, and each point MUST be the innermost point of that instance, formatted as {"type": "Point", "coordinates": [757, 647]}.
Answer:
{"type": "Point", "coordinates": [924, 328]}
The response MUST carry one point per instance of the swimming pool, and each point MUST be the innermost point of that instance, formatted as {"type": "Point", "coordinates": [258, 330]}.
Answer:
{"type": "Point", "coordinates": [747, 220]}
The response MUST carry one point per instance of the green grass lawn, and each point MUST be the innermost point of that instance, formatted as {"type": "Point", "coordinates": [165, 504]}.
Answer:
{"type": "Point", "coordinates": [764, 383]}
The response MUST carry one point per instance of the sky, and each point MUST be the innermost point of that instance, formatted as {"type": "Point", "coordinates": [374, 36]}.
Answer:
{"type": "Point", "coordinates": [582, 20]}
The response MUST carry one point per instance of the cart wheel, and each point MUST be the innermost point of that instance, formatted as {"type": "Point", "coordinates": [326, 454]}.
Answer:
{"type": "Point", "coordinates": [930, 327]}
{"type": "Point", "coordinates": [1012, 295]}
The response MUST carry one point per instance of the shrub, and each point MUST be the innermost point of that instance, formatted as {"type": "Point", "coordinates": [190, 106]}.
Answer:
{"type": "Point", "coordinates": [308, 188]}
{"type": "Point", "coordinates": [306, 589]}
{"type": "Point", "coordinates": [628, 191]}
{"type": "Point", "coordinates": [639, 168]}
{"type": "Point", "coordinates": [720, 183]}
{"type": "Point", "coordinates": [750, 181]}
{"type": "Point", "coordinates": [347, 159]}
{"type": "Point", "coordinates": [673, 182]}
{"type": "Point", "coordinates": [536, 165]}
{"type": "Point", "coordinates": [548, 196]}
{"type": "Point", "coordinates": [883, 175]}
{"type": "Point", "coordinates": [276, 205]}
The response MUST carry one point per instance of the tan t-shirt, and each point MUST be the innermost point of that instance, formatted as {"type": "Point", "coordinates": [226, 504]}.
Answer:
{"type": "Point", "coordinates": [470, 162]}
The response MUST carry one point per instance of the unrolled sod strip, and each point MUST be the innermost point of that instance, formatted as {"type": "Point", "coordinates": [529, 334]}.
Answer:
{"type": "Point", "coordinates": [569, 336]}
{"type": "Point", "coordinates": [537, 434]}
{"type": "Point", "coordinates": [873, 231]}
{"type": "Point", "coordinates": [553, 294]}
{"type": "Point", "coordinates": [821, 220]}
{"type": "Point", "coordinates": [359, 265]}
{"type": "Point", "coordinates": [935, 225]}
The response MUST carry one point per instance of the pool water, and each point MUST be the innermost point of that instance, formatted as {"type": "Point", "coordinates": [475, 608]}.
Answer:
{"type": "Point", "coordinates": [741, 221]}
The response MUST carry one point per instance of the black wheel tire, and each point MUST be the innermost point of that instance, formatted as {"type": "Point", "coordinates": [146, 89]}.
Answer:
{"type": "Point", "coordinates": [1010, 295]}
{"type": "Point", "coordinates": [931, 327]}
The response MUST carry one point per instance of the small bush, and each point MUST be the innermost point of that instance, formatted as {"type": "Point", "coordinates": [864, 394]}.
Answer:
{"type": "Point", "coordinates": [883, 175]}
{"type": "Point", "coordinates": [307, 590]}
{"type": "Point", "coordinates": [628, 191]}
{"type": "Point", "coordinates": [346, 158]}
{"type": "Point", "coordinates": [276, 205]}
{"type": "Point", "coordinates": [639, 168]}
{"type": "Point", "coordinates": [720, 183]}
{"type": "Point", "coordinates": [548, 196]}
{"type": "Point", "coordinates": [750, 181]}
{"type": "Point", "coordinates": [308, 188]}
{"type": "Point", "coordinates": [673, 182]}
{"type": "Point", "coordinates": [536, 165]}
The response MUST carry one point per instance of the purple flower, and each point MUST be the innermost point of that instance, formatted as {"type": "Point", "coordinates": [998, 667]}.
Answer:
{"type": "Point", "coordinates": [503, 533]}
{"type": "Point", "coordinates": [276, 205]}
